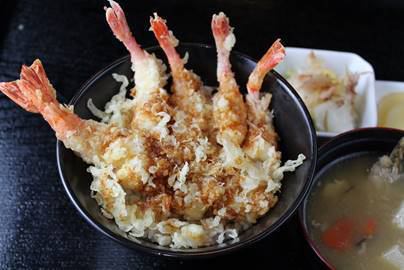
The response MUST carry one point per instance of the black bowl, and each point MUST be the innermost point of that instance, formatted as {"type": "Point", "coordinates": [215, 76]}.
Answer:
{"type": "Point", "coordinates": [292, 122]}
{"type": "Point", "coordinates": [364, 141]}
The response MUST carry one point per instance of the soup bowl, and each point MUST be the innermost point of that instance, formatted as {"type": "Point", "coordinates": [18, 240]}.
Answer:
{"type": "Point", "coordinates": [291, 120]}
{"type": "Point", "coordinates": [372, 141]}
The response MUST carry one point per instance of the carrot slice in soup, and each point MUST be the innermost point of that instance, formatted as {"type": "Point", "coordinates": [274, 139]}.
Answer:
{"type": "Point", "coordinates": [340, 235]}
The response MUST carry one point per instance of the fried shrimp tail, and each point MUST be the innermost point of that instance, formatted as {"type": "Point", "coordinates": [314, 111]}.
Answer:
{"type": "Point", "coordinates": [224, 40]}
{"type": "Point", "coordinates": [168, 42]}
{"type": "Point", "coordinates": [185, 81]}
{"type": "Point", "coordinates": [149, 71]}
{"type": "Point", "coordinates": [34, 93]}
{"type": "Point", "coordinates": [271, 59]}
{"type": "Point", "coordinates": [12, 90]}
{"type": "Point", "coordinates": [188, 92]}
{"type": "Point", "coordinates": [151, 107]}
{"type": "Point", "coordinates": [117, 22]}
{"type": "Point", "coordinates": [261, 133]}
{"type": "Point", "coordinates": [229, 110]}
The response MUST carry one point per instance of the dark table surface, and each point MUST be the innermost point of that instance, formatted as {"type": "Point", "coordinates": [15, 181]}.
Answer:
{"type": "Point", "coordinates": [39, 228]}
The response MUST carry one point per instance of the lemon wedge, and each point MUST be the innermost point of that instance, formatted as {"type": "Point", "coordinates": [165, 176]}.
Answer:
{"type": "Point", "coordinates": [391, 111]}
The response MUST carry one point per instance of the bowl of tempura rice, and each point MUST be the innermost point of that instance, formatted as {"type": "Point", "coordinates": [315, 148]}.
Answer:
{"type": "Point", "coordinates": [291, 121]}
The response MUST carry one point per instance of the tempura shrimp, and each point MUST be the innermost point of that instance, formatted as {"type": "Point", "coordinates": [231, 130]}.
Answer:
{"type": "Point", "coordinates": [229, 110]}
{"type": "Point", "coordinates": [96, 143]}
{"type": "Point", "coordinates": [188, 93]}
{"type": "Point", "coordinates": [261, 133]}
{"type": "Point", "coordinates": [271, 59]}
{"type": "Point", "coordinates": [152, 110]}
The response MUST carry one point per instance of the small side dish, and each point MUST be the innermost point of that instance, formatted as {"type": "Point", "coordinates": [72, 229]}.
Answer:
{"type": "Point", "coordinates": [330, 98]}
{"type": "Point", "coordinates": [337, 88]}
{"type": "Point", "coordinates": [184, 168]}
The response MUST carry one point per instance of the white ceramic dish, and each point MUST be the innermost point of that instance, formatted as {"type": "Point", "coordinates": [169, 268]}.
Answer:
{"type": "Point", "coordinates": [340, 62]}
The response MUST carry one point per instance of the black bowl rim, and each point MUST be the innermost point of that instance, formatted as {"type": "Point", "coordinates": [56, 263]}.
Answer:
{"type": "Point", "coordinates": [189, 254]}
{"type": "Point", "coordinates": [329, 145]}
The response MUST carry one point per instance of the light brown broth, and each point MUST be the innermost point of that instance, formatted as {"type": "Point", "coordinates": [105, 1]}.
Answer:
{"type": "Point", "coordinates": [344, 191]}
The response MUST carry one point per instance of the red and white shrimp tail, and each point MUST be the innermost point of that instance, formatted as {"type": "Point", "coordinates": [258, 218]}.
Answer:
{"type": "Point", "coordinates": [271, 59]}
{"type": "Point", "coordinates": [224, 40]}
{"type": "Point", "coordinates": [34, 93]}
{"type": "Point", "coordinates": [167, 41]}
{"type": "Point", "coordinates": [12, 90]}
{"type": "Point", "coordinates": [117, 22]}
{"type": "Point", "coordinates": [32, 90]}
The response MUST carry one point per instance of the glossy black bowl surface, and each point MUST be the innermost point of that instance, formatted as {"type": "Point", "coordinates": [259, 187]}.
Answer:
{"type": "Point", "coordinates": [292, 122]}
{"type": "Point", "coordinates": [372, 141]}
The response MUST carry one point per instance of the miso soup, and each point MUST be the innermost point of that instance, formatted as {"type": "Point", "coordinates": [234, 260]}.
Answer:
{"type": "Point", "coordinates": [355, 222]}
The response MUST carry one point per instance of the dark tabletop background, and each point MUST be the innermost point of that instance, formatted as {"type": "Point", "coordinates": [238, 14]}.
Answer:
{"type": "Point", "coordinates": [39, 228]}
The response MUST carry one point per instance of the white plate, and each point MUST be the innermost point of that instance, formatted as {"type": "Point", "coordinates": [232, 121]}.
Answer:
{"type": "Point", "coordinates": [340, 62]}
